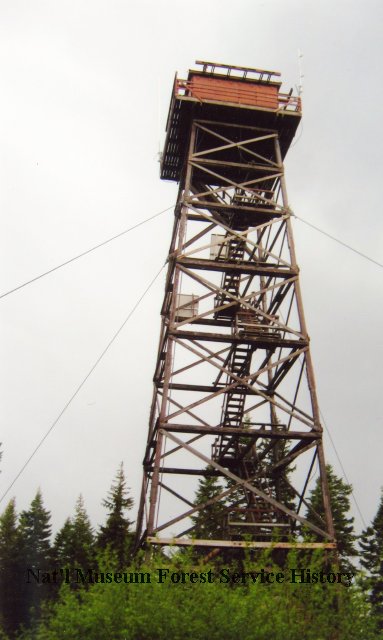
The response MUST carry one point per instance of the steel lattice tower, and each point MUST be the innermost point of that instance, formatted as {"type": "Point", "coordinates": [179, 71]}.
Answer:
{"type": "Point", "coordinates": [234, 389]}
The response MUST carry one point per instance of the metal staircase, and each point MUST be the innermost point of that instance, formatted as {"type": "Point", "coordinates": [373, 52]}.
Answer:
{"type": "Point", "coordinates": [230, 280]}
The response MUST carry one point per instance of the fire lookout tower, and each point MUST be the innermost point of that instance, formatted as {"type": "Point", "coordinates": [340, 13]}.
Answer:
{"type": "Point", "coordinates": [234, 389]}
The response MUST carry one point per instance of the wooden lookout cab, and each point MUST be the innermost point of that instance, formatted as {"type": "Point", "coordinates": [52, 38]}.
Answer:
{"type": "Point", "coordinates": [229, 94]}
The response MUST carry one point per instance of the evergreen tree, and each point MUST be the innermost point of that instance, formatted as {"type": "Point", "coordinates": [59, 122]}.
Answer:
{"type": "Point", "coordinates": [74, 543]}
{"type": "Point", "coordinates": [340, 507]}
{"type": "Point", "coordinates": [11, 570]}
{"type": "Point", "coordinates": [276, 484]}
{"type": "Point", "coordinates": [259, 462]}
{"type": "Point", "coordinates": [371, 543]}
{"type": "Point", "coordinates": [209, 522]}
{"type": "Point", "coordinates": [83, 537]}
{"type": "Point", "coordinates": [63, 545]}
{"type": "Point", "coordinates": [116, 534]}
{"type": "Point", "coordinates": [35, 530]}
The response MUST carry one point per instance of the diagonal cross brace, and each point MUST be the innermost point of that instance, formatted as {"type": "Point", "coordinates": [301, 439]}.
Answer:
{"type": "Point", "coordinates": [247, 485]}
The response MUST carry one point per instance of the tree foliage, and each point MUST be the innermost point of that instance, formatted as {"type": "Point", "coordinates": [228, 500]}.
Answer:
{"type": "Point", "coordinates": [209, 521]}
{"type": "Point", "coordinates": [269, 454]}
{"type": "Point", "coordinates": [207, 611]}
{"type": "Point", "coordinates": [340, 493]}
{"type": "Point", "coordinates": [11, 569]}
{"type": "Point", "coordinates": [62, 547]}
{"type": "Point", "coordinates": [35, 531]}
{"type": "Point", "coordinates": [75, 542]}
{"type": "Point", "coordinates": [116, 533]}
{"type": "Point", "coordinates": [180, 609]}
{"type": "Point", "coordinates": [371, 543]}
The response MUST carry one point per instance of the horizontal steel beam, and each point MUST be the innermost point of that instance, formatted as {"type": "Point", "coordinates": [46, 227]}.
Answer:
{"type": "Point", "coordinates": [188, 472]}
{"type": "Point", "coordinates": [248, 433]}
{"type": "Point", "coordinates": [229, 207]}
{"type": "Point", "coordinates": [261, 342]}
{"type": "Point", "coordinates": [245, 267]}
{"type": "Point", "coordinates": [174, 386]}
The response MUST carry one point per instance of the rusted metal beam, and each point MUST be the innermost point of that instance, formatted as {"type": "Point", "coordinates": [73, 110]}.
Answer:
{"type": "Point", "coordinates": [237, 544]}
{"type": "Point", "coordinates": [243, 268]}
{"type": "Point", "coordinates": [273, 434]}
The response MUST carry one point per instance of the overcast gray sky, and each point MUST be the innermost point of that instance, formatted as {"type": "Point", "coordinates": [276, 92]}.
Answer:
{"type": "Point", "coordinates": [85, 88]}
